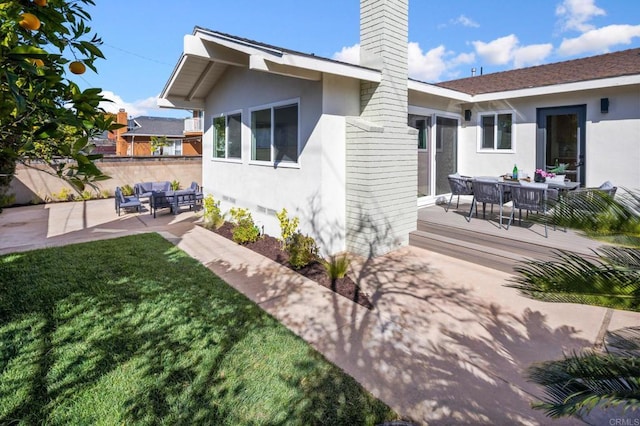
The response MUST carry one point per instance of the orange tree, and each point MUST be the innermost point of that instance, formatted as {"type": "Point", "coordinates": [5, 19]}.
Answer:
{"type": "Point", "coordinates": [46, 118]}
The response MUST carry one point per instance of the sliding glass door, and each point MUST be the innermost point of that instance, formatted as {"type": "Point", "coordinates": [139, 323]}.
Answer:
{"type": "Point", "coordinates": [423, 125]}
{"type": "Point", "coordinates": [437, 152]}
{"type": "Point", "coordinates": [446, 157]}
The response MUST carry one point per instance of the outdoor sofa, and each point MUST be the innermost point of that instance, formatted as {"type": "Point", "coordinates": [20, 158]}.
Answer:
{"type": "Point", "coordinates": [126, 202]}
{"type": "Point", "coordinates": [145, 189]}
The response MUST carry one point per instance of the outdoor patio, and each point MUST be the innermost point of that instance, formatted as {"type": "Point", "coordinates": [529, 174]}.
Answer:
{"type": "Point", "coordinates": [482, 241]}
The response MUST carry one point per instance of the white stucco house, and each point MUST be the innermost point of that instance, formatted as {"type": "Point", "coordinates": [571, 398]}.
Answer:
{"type": "Point", "coordinates": [354, 150]}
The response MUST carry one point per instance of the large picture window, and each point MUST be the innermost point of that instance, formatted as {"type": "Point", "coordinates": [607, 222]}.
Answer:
{"type": "Point", "coordinates": [227, 136]}
{"type": "Point", "coordinates": [274, 134]}
{"type": "Point", "coordinates": [496, 131]}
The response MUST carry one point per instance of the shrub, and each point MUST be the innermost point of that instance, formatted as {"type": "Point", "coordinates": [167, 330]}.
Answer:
{"type": "Point", "coordinates": [7, 200]}
{"type": "Point", "coordinates": [105, 193]}
{"type": "Point", "coordinates": [245, 231]}
{"type": "Point", "coordinates": [85, 195]}
{"type": "Point", "coordinates": [175, 185]}
{"type": "Point", "coordinates": [302, 250]}
{"type": "Point", "coordinates": [127, 190]}
{"type": "Point", "coordinates": [213, 216]}
{"type": "Point", "coordinates": [336, 266]}
{"type": "Point", "coordinates": [288, 226]}
{"type": "Point", "coordinates": [63, 195]}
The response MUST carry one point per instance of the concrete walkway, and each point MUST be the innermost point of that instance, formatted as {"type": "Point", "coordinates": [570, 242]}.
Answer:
{"type": "Point", "coordinates": [447, 343]}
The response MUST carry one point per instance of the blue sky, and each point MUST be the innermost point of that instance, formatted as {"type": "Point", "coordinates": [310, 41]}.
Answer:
{"type": "Point", "coordinates": [143, 39]}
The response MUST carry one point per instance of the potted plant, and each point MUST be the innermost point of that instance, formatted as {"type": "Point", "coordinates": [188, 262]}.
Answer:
{"type": "Point", "coordinates": [559, 172]}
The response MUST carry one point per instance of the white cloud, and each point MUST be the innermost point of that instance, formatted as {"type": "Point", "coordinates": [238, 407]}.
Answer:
{"type": "Point", "coordinates": [599, 40]}
{"type": "Point", "coordinates": [429, 66]}
{"type": "Point", "coordinates": [534, 54]}
{"type": "Point", "coordinates": [349, 54]}
{"type": "Point", "coordinates": [466, 22]}
{"type": "Point", "coordinates": [426, 66]}
{"type": "Point", "coordinates": [575, 14]}
{"type": "Point", "coordinates": [507, 49]}
{"type": "Point", "coordinates": [148, 106]}
{"type": "Point", "coordinates": [497, 52]}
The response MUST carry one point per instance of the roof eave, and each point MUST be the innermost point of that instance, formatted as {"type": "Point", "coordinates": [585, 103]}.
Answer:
{"type": "Point", "coordinates": [559, 88]}
{"type": "Point", "coordinates": [220, 48]}
{"type": "Point", "coordinates": [432, 89]}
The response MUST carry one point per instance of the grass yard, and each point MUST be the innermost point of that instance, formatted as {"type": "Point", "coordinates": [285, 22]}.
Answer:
{"type": "Point", "coordinates": [134, 331]}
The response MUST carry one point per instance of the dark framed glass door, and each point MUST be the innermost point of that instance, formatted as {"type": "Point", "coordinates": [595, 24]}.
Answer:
{"type": "Point", "coordinates": [561, 139]}
{"type": "Point", "coordinates": [446, 152]}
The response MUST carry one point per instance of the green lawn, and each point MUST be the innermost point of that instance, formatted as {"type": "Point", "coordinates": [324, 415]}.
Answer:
{"type": "Point", "coordinates": [133, 330]}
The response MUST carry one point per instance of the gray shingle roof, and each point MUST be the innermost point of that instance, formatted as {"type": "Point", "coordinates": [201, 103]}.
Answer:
{"type": "Point", "coordinates": [157, 126]}
{"type": "Point", "coordinates": [616, 64]}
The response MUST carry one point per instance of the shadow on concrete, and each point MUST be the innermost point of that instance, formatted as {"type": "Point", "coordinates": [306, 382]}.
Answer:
{"type": "Point", "coordinates": [439, 347]}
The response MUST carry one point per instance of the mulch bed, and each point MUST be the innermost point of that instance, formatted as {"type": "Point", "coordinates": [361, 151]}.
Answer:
{"type": "Point", "coordinates": [270, 247]}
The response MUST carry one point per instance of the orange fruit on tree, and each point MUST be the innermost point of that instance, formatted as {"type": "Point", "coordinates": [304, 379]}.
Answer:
{"type": "Point", "coordinates": [37, 62]}
{"type": "Point", "coordinates": [41, 3]}
{"type": "Point", "coordinates": [77, 67]}
{"type": "Point", "coordinates": [29, 21]}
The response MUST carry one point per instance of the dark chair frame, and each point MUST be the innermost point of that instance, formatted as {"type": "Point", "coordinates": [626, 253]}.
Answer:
{"type": "Point", "coordinates": [531, 199]}
{"type": "Point", "coordinates": [126, 202]}
{"type": "Point", "coordinates": [488, 191]}
{"type": "Point", "coordinates": [460, 185]}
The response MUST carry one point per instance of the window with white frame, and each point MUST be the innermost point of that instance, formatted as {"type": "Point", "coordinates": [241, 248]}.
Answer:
{"type": "Point", "coordinates": [171, 147]}
{"type": "Point", "coordinates": [496, 131]}
{"type": "Point", "coordinates": [274, 134]}
{"type": "Point", "coordinates": [227, 136]}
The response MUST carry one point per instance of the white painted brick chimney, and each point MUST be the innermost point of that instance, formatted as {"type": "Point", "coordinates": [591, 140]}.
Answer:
{"type": "Point", "coordinates": [381, 148]}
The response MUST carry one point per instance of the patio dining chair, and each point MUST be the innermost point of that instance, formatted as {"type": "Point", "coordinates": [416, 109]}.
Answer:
{"type": "Point", "coordinates": [532, 197]}
{"type": "Point", "coordinates": [489, 191]}
{"type": "Point", "coordinates": [460, 185]}
{"type": "Point", "coordinates": [582, 202]}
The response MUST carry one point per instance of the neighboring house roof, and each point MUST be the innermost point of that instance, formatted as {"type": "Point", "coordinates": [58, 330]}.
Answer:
{"type": "Point", "coordinates": [156, 126]}
{"type": "Point", "coordinates": [610, 65]}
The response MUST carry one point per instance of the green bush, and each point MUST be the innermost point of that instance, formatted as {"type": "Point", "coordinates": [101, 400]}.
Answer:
{"type": "Point", "coordinates": [84, 196]}
{"type": "Point", "coordinates": [127, 190]}
{"type": "Point", "coordinates": [336, 266]}
{"type": "Point", "coordinates": [64, 195]}
{"type": "Point", "coordinates": [244, 231]}
{"type": "Point", "coordinates": [175, 185]}
{"type": "Point", "coordinates": [288, 226]}
{"type": "Point", "coordinates": [213, 216]}
{"type": "Point", "coordinates": [302, 250]}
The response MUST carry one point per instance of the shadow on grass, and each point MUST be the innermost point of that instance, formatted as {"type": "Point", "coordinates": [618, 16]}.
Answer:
{"type": "Point", "coordinates": [135, 331]}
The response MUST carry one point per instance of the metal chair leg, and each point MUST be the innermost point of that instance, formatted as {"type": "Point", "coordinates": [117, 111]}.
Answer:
{"type": "Point", "coordinates": [473, 204]}
{"type": "Point", "coordinates": [449, 205]}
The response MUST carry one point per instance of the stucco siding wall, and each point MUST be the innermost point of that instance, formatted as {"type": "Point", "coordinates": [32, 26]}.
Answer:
{"type": "Point", "coordinates": [612, 139]}
{"type": "Point", "coordinates": [313, 189]}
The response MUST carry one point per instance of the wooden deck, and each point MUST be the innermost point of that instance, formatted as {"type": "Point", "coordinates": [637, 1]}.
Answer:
{"type": "Point", "coordinates": [482, 241]}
